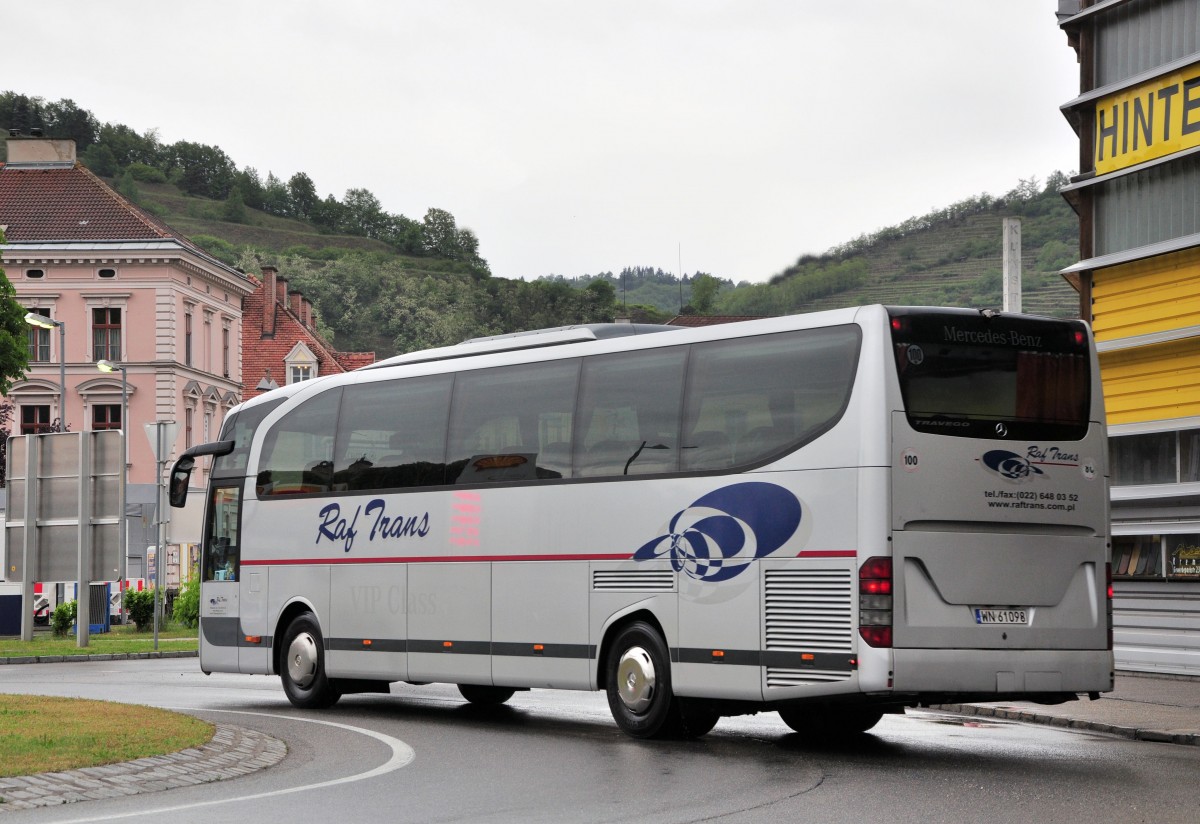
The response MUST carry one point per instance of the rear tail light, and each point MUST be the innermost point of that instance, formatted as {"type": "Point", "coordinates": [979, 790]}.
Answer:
{"type": "Point", "coordinates": [875, 601]}
{"type": "Point", "coordinates": [1108, 588]}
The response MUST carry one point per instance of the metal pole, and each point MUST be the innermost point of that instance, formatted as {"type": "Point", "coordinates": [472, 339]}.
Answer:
{"type": "Point", "coordinates": [62, 376]}
{"type": "Point", "coordinates": [122, 525]}
{"type": "Point", "coordinates": [158, 552]}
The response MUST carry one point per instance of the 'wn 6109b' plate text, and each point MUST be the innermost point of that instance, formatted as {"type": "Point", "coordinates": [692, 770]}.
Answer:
{"type": "Point", "coordinates": [1002, 616]}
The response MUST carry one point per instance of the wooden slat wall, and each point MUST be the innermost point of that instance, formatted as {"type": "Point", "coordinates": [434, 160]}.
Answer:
{"type": "Point", "coordinates": [1152, 383]}
{"type": "Point", "coordinates": [1146, 296]}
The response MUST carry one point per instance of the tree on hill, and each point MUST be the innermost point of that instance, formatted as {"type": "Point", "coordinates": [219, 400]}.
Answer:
{"type": "Point", "coordinates": [704, 293]}
{"type": "Point", "coordinates": [199, 169]}
{"type": "Point", "coordinates": [302, 195]}
{"type": "Point", "coordinates": [14, 337]}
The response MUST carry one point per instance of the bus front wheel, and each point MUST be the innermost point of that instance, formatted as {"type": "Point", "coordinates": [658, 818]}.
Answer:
{"type": "Point", "coordinates": [303, 672]}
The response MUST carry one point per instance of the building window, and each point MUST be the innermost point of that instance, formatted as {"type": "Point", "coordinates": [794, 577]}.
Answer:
{"type": "Point", "coordinates": [225, 351]}
{"type": "Point", "coordinates": [187, 339]}
{"type": "Point", "coordinates": [301, 364]}
{"type": "Point", "coordinates": [188, 416]}
{"type": "Point", "coordinates": [106, 334]}
{"type": "Point", "coordinates": [1137, 556]}
{"type": "Point", "coordinates": [1155, 458]}
{"type": "Point", "coordinates": [107, 273]}
{"type": "Point", "coordinates": [35, 274]}
{"type": "Point", "coordinates": [35, 419]}
{"type": "Point", "coordinates": [39, 340]}
{"type": "Point", "coordinates": [106, 416]}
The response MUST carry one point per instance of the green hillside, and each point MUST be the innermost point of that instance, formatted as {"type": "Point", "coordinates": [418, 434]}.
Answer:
{"type": "Point", "coordinates": [950, 257]}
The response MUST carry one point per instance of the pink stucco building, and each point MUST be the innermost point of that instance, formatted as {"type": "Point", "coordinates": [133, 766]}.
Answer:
{"type": "Point", "coordinates": [129, 289]}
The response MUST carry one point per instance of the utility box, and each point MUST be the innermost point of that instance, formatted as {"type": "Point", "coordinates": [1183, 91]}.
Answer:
{"type": "Point", "coordinates": [10, 609]}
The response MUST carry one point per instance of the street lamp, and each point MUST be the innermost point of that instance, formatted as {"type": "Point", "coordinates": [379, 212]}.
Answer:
{"type": "Point", "coordinates": [107, 367]}
{"type": "Point", "coordinates": [43, 322]}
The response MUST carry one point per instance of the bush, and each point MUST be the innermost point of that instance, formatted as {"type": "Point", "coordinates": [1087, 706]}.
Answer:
{"type": "Point", "coordinates": [139, 606]}
{"type": "Point", "coordinates": [143, 173]}
{"type": "Point", "coordinates": [63, 618]}
{"type": "Point", "coordinates": [186, 609]}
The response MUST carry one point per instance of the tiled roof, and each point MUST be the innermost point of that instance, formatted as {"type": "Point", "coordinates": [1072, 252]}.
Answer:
{"type": "Point", "coordinates": [709, 320]}
{"type": "Point", "coordinates": [84, 208]}
{"type": "Point", "coordinates": [45, 204]}
{"type": "Point", "coordinates": [260, 353]}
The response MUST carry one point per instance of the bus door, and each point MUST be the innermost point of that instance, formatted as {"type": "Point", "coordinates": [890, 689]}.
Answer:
{"type": "Point", "coordinates": [220, 603]}
{"type": "Point", "coordinates": [999, 502]}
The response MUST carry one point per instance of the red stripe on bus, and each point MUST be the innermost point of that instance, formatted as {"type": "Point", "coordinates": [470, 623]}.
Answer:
{"type": "Point", "coordinates": [435, 559]}
{"type": "Point", "coordinates": [827, 553]}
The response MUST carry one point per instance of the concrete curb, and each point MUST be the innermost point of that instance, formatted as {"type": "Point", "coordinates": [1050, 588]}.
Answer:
{"type": "Point", "coordinates": [1028, 716]}
{"type": "Point", "coordinates": [114, 656]}
{"type": "Point", "coordinates": [233, 752]}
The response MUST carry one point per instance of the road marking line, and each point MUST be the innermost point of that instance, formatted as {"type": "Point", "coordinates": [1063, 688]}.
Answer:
{"type": "Point", "coordinates": [402, 756]}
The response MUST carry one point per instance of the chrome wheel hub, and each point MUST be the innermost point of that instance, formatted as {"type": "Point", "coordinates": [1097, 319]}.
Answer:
{"type": "Point", "coordinates": [302, 660]}
{"type": "Point", "coordinates": [636, 682]}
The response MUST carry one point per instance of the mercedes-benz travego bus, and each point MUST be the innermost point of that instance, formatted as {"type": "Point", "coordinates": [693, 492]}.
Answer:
{"type": "Point", "coordinates": [831, 516]}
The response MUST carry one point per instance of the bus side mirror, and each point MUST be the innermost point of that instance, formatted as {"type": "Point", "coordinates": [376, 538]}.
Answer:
{"type": "Point", "coordinates": [181, 473]}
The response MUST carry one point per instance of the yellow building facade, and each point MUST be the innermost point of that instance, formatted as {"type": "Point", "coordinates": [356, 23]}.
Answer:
{"type": "Point", "coordinates": [1138, 200]}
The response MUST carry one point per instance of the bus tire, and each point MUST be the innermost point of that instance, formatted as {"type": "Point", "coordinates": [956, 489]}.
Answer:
{"type": "Point", "coordinates": [696, 717]}
{"type": "Point", "coordinates": [638, 681]}
{"type": "Point", "coordinates": [485, 696]}
{"type": "Point", "coordinates": [818, 721]}
{"type": "Point", "coordinates": [303, 666]}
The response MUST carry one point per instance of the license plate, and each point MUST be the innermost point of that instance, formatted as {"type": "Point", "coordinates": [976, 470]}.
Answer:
{"type": "Point", "coordinates": [1001, 616]}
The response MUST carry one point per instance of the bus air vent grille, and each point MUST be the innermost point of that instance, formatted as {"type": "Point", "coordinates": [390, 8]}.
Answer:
{"type": "Point", "coordinates": [637, 580]}
{"type": "Point", "coordinates": [809, 610]}
{"type": "Point", "coordinates": [787, 677]}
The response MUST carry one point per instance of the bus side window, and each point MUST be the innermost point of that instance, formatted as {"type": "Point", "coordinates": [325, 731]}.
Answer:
{"type": "Point", "coordinates": [392, 434]}
{"type": "Point", "coordinates": [752, 398]}
{"type": "Point", "coordinates": [297, 453]}
{"type": "Point", "coordinates": [629, 413]}
{"type": "Point", "coordinates": [509, 423]}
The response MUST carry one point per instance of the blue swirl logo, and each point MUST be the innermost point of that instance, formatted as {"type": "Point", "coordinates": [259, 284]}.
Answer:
{"type": "Point", "coordinates": [718, 536]}
{"type": "Point", "coordinates": [1010, 465]}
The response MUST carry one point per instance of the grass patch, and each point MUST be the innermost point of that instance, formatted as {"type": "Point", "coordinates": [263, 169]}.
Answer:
{"type": "Point", "coordinates": [43, 734]}
{"type": "Point", "coordinates": [122, 639]}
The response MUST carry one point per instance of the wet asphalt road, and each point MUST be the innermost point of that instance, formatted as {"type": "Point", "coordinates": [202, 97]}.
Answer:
{"type": "Point", "coordinates": [422, 754]}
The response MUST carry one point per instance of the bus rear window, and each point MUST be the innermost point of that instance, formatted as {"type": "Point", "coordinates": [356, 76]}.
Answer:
{"type": "Point", "coordinates": [966, 374]}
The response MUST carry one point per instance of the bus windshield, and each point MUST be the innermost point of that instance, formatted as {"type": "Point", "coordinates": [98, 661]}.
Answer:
{"type": "Point", "coordinates": [967, 374]}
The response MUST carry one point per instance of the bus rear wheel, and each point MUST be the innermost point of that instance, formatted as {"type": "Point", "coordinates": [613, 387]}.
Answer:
{"type": "Point", "coordinates": [638, 682]}
{"type": "Point", "coordinates": [818, 721]}
{"type": "Point", "coordinates": [303, 666]}
{"type": "Point", "coordinates": [485, 696]}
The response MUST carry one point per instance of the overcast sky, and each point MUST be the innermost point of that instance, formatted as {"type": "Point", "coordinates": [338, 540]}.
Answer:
{"type": "Point", "coordinates": [726, 136]}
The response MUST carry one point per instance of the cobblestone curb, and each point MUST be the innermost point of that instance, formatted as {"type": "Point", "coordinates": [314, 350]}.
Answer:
{"type": "Point", "coordinates": [233, 752]}
{"type": "Point", "coordinates": [1187, 737]}
{"type": "Point", "coordinates": [114, 656]}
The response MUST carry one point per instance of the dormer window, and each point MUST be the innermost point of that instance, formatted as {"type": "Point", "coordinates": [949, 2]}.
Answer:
{"type": "Point", "coordinates": [301, 364]}
{"type": "Point", "coordinates": [35, 274]}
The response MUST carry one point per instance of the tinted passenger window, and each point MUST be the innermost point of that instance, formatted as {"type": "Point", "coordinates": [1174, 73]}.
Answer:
{"type": "Point", "coordinates": [297, 454]}
{"type": "Point", "coordinates": [512, 423]}
{"type": "Point", "coordinates": [752, 398]}
{"type": "Point", "coordinates": [393, 434]}
{"type": "Point", "coordinates": [239, 427]}
{"type": "Point", "coordinates": [629, 413]}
